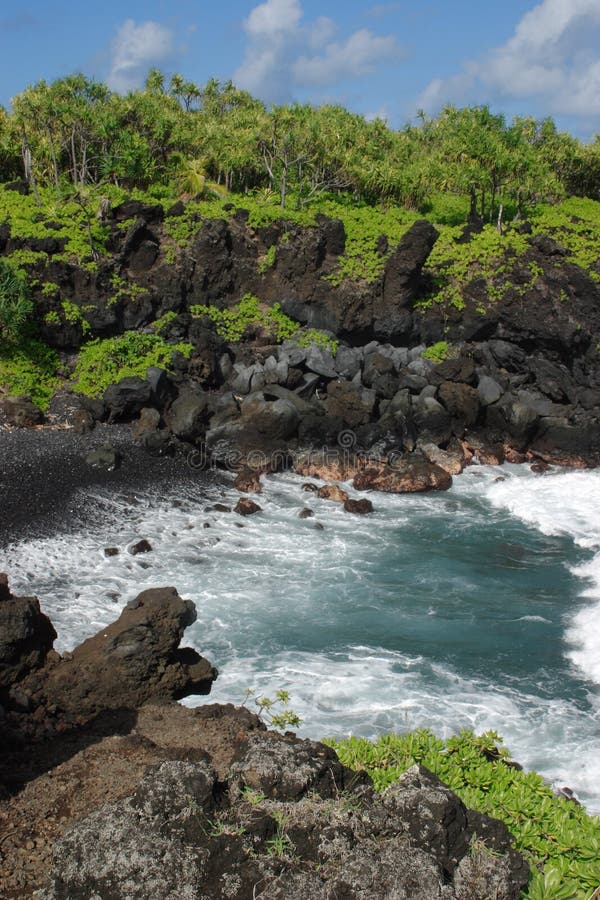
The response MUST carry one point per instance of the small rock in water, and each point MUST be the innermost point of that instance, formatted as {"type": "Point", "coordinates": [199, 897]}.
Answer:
{"type": "Point", "coordinates": [248, 482]}
{"type": "Point", "coordinates": [219, 507]}
{"type": "Point", "coordinates": [359, 507]}
{"type": "Point", "coordinates": [247, 507]}
{"type": "Point", "coordinates": [305, 514]}
{"type": "Point", "coordinates": [333, 492]}
{"type": "Point", "coordinates": [111, 551]}
{"type": "Point", "coordinates": [142, 546]}
{"type": "Point", "coordinates": [309, 487]}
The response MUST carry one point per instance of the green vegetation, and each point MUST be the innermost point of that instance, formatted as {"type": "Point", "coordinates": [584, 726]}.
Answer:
{"type": "Point", "coordinates": [29, 368]}
{"type": "Point", "coordinates": [232, 324]}
{"type": "Point", "coordinates": [560, 840]}
{"type": "Point", "coordinates": [16, 308]}
{"type": "Point", "coordinates": [437, 353]}
{"type": "Point", "coordinates": [268, 260]}
{"type": "Point", "coordinates": [105, 362]}
{"type": "Point", "coordinates": [275, 713]}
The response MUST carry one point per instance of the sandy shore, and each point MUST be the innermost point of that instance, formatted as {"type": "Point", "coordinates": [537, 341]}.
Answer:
{"type": "Point", "coordinates": [43, 469]}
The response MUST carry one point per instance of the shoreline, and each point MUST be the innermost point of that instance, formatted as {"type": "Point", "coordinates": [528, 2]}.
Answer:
{"type": "Point", "coordinates": [43, 469]}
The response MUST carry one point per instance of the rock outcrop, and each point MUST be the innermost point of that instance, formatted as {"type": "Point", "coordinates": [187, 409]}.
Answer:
{"type": "Point", "coordinates": [288, 820]}
{"type": "Point", "coordinates": [134, 660]}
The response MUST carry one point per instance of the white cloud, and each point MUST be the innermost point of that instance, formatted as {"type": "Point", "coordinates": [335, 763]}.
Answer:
{"type": "Point", "coordinates": [553, 57]}
{"type": "Point", "coordinates": [358, 56]}
{"type": "Point", "coordinates": [135, 49]}
{"type": "Point", "coordinates": [284, 53]}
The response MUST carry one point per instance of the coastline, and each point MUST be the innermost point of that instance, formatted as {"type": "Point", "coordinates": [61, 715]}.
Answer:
{"type": "Point", "coordinates": [42, 469]}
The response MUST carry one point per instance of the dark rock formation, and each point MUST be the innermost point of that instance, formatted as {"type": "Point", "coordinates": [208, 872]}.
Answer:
{"type": "Point", "coordinates": [135, 659]}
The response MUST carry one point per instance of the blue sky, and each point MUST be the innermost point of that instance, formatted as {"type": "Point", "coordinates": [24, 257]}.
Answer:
{"type": "Point", "coordinates": [376, 58]}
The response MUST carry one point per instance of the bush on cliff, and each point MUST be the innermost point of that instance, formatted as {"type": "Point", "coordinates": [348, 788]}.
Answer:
{"type": "Point", "coordinates": [105, 362]}
{"type": "Point", "coordinates": [560, 839]}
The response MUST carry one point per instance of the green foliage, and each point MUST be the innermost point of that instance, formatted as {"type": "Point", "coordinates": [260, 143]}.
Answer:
{"type": "Point", "coordinates": [575, 224]}
{"type": "Point", "coordinates": [364, 226]}
{"type": "Point", "coordinates": [161, 325]}
{"type": "Point", "coordinates": [268, 260]}
{"type": "Point", "coordinates": [561, 841]}
{"type": "Point", "coordinates": [105, 362]}
{"type": "Point", "coordinates": [16, 308]}
{"type": "Point", "coordinates": [437, 353]}
{"type": "Point", "coordinates": [72, 218]}
{"type": "Point", "coordinates": [275, 712]}
{"type": "Point", "coordinates": [74, 316]}
{"type": "Point", "coordinates": [446, 209]}
{"type": "Point", "coordinates": [29, 368]}
{"type": "Point", "coordinates": [488, 255]}
{"type": "Point", "coordinates": [232, 324]}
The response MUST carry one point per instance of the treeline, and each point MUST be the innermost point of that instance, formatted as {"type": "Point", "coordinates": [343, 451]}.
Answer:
{"type": "Point", "coordinates": [75, 132]}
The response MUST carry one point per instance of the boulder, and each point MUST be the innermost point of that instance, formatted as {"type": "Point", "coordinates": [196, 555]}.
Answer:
{"type": "Point", "coordinates": [125, 399]}
{"type": "Point", "coordinates": [188, 415]}
{"type": "Point", "coordinates": [135, 659]}
{"type": "Point", "coordinates": [275, 418]}
{"type": "Point", "coordinates": [26, 637]}
{"type": "Point", "coordinates": [246, 507]}
{"type": "Point", "coordinates": [22, 412]}
{"type": "Point", "coordinates": [333, 492]}
{"type": "Point", "coordinates": [142, 546]}
{"type": "Point", "coordinates": [148, 422]}
{"type": "Point", "coordinates": [349, 402]}
{"type": "Point", "coordinates": [105, 457]}
{"type": "Point", "coordinates": [358, 507]}
{"type": "Point", "coordinates": [408, 474]}
{"type": "Point", "coordinates": [461, 401]}
{"type": "Point", "coordinates": [328, 465]}
{"type": "Point", "coordinates": [248, 482]}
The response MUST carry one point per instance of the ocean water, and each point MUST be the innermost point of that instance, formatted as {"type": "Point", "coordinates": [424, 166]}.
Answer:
{"type": "Point", "coordinates": [476, 608]}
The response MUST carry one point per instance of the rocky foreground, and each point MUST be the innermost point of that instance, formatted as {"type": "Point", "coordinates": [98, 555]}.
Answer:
{"type": "Point", "coordinates": [111, 789]}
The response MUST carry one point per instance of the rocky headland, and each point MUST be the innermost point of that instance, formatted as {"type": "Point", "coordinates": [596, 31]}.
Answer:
{"type": "Point", "coordinates": [112, 789]}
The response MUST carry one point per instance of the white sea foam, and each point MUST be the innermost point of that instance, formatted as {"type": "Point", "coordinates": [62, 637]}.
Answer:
{"type": "Point", "coordinates": [565, 503]}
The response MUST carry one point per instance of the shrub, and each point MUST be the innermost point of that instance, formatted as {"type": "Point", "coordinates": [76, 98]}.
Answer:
{"type": "Point", "coordinates": [29, 368]}
{"type": "Point", "coordinates": [231, 324]}
{"type": "Point", "coordinates": [561, 841]}
{"type": "Point", "coordinates": [105, 362]}
{"type": "Point", "coordinates": [16, 307]}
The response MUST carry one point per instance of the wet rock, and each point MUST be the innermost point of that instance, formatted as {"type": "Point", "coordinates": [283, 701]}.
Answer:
{"type": "Point", "coordinates": [247, 507]}
{"type": "Point", "coordinates": [83, 421]}
{"type": "Point", "coordinates": [359, 507]}
{"type": "Point", "coordinates": [248, 482]}
{"type": "Point", "coordinates": [306, 514]}
{"type": "Point", "coordinates": [142, 546]}
{"type": "Point", "coordinates": [111, 551]}
{"type": "Point", "coordinates": [332, 492]}
{"type": "Point", "coordinates": [409, 474]}
{"type": "Point", "coordinates": [489, 390]}
{"type": "Point", "coordinates": [327, 465]}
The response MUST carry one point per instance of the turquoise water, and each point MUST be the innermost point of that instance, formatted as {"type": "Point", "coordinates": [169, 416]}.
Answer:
{"type": "Point", "coordinates": [475, 608]}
